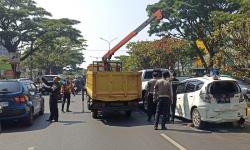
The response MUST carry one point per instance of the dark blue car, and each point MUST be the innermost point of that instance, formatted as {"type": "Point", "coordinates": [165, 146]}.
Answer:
{"type": "Point", "coordinates": [20, 100]}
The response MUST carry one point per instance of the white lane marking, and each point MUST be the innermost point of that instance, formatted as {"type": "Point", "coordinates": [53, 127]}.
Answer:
{"type": "Point", "coordinates": [173, 142]}
{"type": "Point", "coordinates": [31, 148]}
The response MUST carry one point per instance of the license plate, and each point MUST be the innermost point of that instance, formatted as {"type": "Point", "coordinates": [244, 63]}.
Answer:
{"type": "Point", "coordinates": [4, 104]}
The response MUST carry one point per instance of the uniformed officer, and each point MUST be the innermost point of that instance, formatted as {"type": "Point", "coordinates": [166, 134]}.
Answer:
{"type": "Point", "coordinates": [163, 90]}
{"type": "Point", "coordinates": [174, 83]}
{"type": "Point", "coordinates": [54, 89]}
{"type": "Point", "coordinates": [66, 90]}
{"type": "Point", "coordinates": [149, 96]}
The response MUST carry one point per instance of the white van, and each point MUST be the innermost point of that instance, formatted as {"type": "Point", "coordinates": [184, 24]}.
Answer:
{"type": "Point", "coordinates": [209, 99]}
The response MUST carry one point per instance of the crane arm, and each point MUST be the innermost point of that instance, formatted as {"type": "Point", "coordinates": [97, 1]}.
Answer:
{"type": "Point", "coordinates": [156, 16]}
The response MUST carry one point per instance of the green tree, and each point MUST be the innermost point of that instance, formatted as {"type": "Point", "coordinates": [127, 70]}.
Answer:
{"type": "Point", "coordinates": [50, 29]}
{"type": "Point", "coordinates": [163, 53]}
{"type": "Point", "coordinates": [191, 20]}
{"type": "Point", "coordinates": [58, 53]}
{"type": "Point", "coordinates": [18, 18]}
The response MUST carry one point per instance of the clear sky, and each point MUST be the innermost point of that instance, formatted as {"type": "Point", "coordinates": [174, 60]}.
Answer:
{"type": "Point", "coordinates": [108, 19]}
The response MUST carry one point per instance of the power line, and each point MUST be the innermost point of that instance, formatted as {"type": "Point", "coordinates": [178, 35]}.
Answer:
{"type": "Point", "coordinates": [102, 50]}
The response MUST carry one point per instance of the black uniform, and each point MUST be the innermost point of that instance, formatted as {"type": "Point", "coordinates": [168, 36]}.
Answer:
{"type": "Point", "coordinates": [149, 95]}
{"type": "Point", "coordinates": [54, 89]}
{"type": "Point", "coordinates": [53, 102]}
{"type": "Point", "coordinates": [175, 82]}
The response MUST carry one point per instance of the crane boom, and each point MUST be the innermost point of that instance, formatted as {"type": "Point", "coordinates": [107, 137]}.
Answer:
{"type": "Point", "coordinates": [156, 16]}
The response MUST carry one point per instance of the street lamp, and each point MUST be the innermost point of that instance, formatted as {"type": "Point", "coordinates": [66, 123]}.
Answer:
{"type": "Point", "coordinates": [108, 41]}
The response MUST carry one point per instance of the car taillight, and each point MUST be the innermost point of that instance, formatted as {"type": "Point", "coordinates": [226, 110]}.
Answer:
{"type": "Point", "coordinates": [205, 97]}
{"type": "Point", "coordinates": [21, 99]}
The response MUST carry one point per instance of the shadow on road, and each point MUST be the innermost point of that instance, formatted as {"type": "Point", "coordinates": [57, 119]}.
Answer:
{"type": "Point", "coordinates": [71, 122]}
{"type": "Point", "coordinates": [137, 118]}
{"type": "Point", "coordinates": [216, 127]}
{"type": "Point", "coordinates": [19, 126]}
{"type": "Point", "coordinates": [81, 112]}
{"type": "Point", "coordinates": [226, 128]}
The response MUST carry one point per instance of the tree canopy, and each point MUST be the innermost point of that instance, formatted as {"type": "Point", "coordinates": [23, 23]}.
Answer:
{"type": "Point", "coordinates": [192, 20]}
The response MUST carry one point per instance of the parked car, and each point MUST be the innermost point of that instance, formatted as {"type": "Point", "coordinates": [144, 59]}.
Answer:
{"type": "Point", "coordinates": [209, 99]}
{"type": "Point", "coordinates": [20, 100]}
{"type": "Point", "coordinates": [146, 75]}
{"type": "Point", "coordinates": [245, 91]}
{"type": "Point", "coordinates": [245, 88]}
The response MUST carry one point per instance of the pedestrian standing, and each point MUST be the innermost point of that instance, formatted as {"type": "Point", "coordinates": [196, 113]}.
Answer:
{"type": "Point", "coordinates": [54, 89]}
{"type": "Point", "coordinates": [83, 93]}
{"type": "Point", "coordinates": [66, 90]}
{"type": "Point", "coordinates": [174, 83]}
{"type": "Point", "coordinates": [163, 90]}
{"type": "Point", "coordinates": [149, 96]}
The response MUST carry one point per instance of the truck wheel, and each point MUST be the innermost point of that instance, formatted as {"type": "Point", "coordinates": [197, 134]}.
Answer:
{"type": "Point", "coordinates": [128, 113]}
{"type": "Point", "coordinates": [94, 114]}
{"type": "Point", "coordinates": [88, 101]}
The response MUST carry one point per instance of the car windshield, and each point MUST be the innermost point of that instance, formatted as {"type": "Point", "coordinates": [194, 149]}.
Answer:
{"type": "Point", "coordinates": [149, 74]}
{"type": "Point", "coordinates": [9, 87]}
{"type": "Point", "coordinates": [49, 78]}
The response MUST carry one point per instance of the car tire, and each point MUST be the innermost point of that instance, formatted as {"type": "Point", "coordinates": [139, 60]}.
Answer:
{"type": "Point", "coordinates": [30, 119]}
{"type": "Point", "coordinates": [196, 119]}
{"type": "Point", "coordinates": [41, 112]}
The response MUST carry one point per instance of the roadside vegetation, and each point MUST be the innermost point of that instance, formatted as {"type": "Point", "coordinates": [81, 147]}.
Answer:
{"type": "Point", "coordinates": [44, 43]}
{"type": "Point", "coordinates": [221, 26]}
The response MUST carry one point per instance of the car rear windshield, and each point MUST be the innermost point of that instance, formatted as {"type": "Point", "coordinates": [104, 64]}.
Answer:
{"type": "Point", "coordinates": [49, 78]}
{"type": "Point", "coordinates": [9, 87]}
{"type": "Point", "coordinates": [224, 87]}
{"type": "Point", "coordinates": [149, 74]}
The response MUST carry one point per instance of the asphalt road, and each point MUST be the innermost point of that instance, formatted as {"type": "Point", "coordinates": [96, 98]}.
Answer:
{"type": "Point", "coordinates": [77, 131]}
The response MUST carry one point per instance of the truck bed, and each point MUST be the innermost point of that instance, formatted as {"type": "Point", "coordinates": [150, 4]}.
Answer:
{"type": "Point", "coordinates": [113, 86]}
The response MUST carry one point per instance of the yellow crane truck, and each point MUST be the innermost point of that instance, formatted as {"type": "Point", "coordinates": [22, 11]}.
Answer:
{"type": "Point", "coordinates": [108, 88]}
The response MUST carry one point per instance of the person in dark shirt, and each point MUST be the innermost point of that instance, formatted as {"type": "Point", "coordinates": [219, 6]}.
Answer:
{"type": "Point", "coordinates": [149, 96]}
{"type": "Point", "coordinates": [54, 89]}
{"type": "Point", "coordinates": [174, 82]}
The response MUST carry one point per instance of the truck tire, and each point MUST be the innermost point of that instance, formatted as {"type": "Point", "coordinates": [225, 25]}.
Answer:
{"type": "Point", "coordinates": [95, 114]}
{"type": "Point", "coordinates": [128, 113]}
{"type": "Point", "coordinates": [144, 102]}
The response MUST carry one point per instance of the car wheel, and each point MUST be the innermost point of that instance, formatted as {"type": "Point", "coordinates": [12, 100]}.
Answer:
{"type": "Point", "coordinates": [196, 118]}
{"type": "Point", "coordinates": [41, 112]}
{"type": "Point", "coordinates": [30, 119]}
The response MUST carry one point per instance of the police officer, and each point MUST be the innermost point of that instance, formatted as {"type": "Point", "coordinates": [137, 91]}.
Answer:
{"type": "Point", "coordinates": [66, 90]}
{"type": "Point", "coordinates": [174, 83]}
{"type": "Point", "coordinates": [163, 90]}
{"type": "Point", "coordinates": [149, 96]}
{"type": "Point", "coordinates": [54, 89]}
